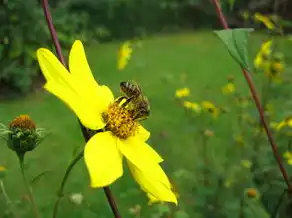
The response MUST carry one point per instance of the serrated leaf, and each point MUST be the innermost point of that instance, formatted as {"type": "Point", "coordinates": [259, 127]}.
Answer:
{"type": "Point", "coordinates": [37, 177]}
{"type": "Point", "coordinates": [236, 42]}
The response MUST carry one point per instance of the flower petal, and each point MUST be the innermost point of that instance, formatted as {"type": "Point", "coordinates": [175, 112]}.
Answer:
{"type": "Point", "coordinates": [154, 182]}
{"type": "Point", "coordinates": [87, 115]}
{"type": "Point", "coordinates": [142, 133]}
{"type": "Point", "coordinates": [53, 70]}
{"type": "Point", "coordinates": [79, 67]}
{"type": "Point", "coordinates": [103, 159]}
{"type": "Point", "coordinates": [139, 153]}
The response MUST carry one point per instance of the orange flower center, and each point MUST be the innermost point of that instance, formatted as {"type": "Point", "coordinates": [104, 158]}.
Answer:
{"type": "Point", "coordinates": [22, 122]}
{"type": "Point", "coordinates": [120, 121]}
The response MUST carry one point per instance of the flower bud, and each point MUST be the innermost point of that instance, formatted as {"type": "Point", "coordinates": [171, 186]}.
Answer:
{"type": "Point", "coordinates": [22, 135]}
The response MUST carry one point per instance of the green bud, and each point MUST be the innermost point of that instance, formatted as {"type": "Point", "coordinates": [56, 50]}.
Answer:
{"type": "Point", "coordinates": [22, 135]}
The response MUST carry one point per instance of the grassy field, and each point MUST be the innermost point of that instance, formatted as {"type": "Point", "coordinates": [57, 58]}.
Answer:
{"type": "Point", "coordinates": [163, 64]}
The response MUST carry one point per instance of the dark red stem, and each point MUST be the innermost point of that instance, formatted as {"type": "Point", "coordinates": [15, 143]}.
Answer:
{"type": "Point", "coordinates": [258, 104]}
{"type": "Point", "coordinates": [86, 135]}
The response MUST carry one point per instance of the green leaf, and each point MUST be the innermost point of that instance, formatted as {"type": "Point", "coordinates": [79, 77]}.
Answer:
{"type": "Point", "coordinates": [181, 214]}
{"type": "Point", "coordinates": [236, 42]}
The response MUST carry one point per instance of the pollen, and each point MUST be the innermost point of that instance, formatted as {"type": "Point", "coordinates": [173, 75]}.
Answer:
{"type": "Point", "coordinates": [120, 121]}
{"type": "Point", "coordinates": [22, 122]}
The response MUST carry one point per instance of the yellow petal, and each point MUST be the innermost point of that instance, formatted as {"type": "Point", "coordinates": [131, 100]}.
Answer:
{"type": "Point", "coordinates": [154, 182]}
{"type": "Point", "coordinates": [142, 133]}
{"type": "Point", "coordinates": [139, 152]}
{"type": "Point", "coordinates": [53, 70]}
{"type": "Point", "coordinates": [103, 159]}
{"type": "Point", "coordinates": [87, 115]}
{"type": "Point", "coordinates": [79, 67]}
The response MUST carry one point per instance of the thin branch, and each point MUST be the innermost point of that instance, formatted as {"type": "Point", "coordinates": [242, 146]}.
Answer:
{"type": "Point", "coordinates": [258, 105]}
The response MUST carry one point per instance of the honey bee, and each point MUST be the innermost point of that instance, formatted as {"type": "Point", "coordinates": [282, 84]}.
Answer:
{"type": "Point", "coordinates": [137, 103]}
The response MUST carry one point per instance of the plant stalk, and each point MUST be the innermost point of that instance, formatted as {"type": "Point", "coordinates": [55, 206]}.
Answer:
{"type": "Point", "coordinates": [85, 133]}
{"type": "Point", "coordinates": [28, 188]}
{"type": "Point", "coordinates": [258, 104]}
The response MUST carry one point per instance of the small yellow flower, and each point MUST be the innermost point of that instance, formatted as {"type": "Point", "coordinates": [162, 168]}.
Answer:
{"type": "Point", "coordinates": [246, 163]}
{"type": "Point", "coordinates": [120, 134]}
{"type": "Point", "coordinates": [184, 92]}
{"type": "Point", "coordinates": [229, 88]}
{"type": "Point", "coordinates": [211, 108]}
{"type": "Point", "coordinates": [265, 20]}
{"type": "Point", "coordinates": [124, 55]}
{"type": "Point", "coordinates": [262, 58]}
{"type": "Point", "coordinates": [275, 70]}
{"type": "Point", "coordinates": [252, 193]}
{"type": "Point", "coordinates": [2, 172]}
{"type": "Point", "coordinates": [193, 106]}
{"type": "Point", "coordinates": [286, 122]}
{"type": "Point", "coordinates": [288, 155]}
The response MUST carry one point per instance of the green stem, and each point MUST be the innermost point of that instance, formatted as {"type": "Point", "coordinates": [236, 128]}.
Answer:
{"type": "Point", "coordinates": [28, 188]}
{"type": "Point", "coordinates": [7, 199]}
{"type": "Point", "coordinates": [60, 192]}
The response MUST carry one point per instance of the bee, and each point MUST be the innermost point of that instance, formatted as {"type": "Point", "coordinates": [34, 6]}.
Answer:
{"type": "Point", "coordinates": [137, 103]}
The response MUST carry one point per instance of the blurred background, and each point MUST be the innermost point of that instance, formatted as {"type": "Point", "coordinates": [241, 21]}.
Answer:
{"type": "Point", "coordinates": [203, 121]}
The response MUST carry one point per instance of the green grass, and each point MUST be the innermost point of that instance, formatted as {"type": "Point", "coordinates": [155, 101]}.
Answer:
{"type": "Point", "coordinates": [158, 66]}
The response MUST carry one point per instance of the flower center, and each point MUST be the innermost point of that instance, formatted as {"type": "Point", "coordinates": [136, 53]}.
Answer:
{"type": "Point", "coordinates": [23, 122]}
{"type": "Point", "coordinates": [120, 121]}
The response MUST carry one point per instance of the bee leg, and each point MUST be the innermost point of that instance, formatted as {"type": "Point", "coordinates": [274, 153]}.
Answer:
{"type": "Point", "coordinates": [127, 101]}
{"type": "Point", "coordinates": [119, 99]}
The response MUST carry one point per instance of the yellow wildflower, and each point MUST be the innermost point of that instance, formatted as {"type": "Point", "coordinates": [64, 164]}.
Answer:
{"type": "Point", "coordinates": [288, 155]}
{"type": "Point", "coordinates": [286, 122]}
{"type": "Point", "coordinates": [124, 55]}
{"type": "Point", "coordinates": [193, 106]}
{"type": "Point", "coordinates": [265, 20]}
{"type": "Point", "coordinates": [2, 172]}
{"type": "Point", "coordinates": [120, 135]}
{"type": "Point", "coordinates": [252, 193]}
{"type": "Point", "coordinates": [274, 70]}
{"type": "Point", "coordinates": [184, 92]}
{"type": "Point", "coordinates": [211, 108]}
{"type": "Point", "coordinates": [246, 163]}
{"type": "Point", "coordinates": [229, 88]}
{"type": "Point", "coordinates": [262, 58]}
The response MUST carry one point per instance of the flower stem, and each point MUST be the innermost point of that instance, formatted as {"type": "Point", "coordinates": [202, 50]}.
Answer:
{"type": "Point", "coordinates": [258, 105]}
{"type": "Point", "coordinates": [60, 192]}
{"type": "Point", "coordinates": [7, 199]}
{"type": "Point", "coordinates": [85, 133]}
{"type": "Point", "coordinates": [28, 188]}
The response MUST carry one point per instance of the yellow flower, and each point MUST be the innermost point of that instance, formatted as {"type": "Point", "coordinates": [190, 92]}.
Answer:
{"type": "Point", "coordinates": [124, 55]}
{"type": "Point", "coordinates": [288, 155]}
{"type": "Point", "coordinates": [246, 163]}
{"type": "Point", "coordinates": [286, 122]}
{"type": "Point", "coordinates": [229, 88]}
{"type": "Point", "coordinates": [211, 108]}
{"type": "Point", "coordinates": [193, 106]}
{"type": "Point", "coordinates": [252, 193]}
{"type": "Point", "coordinates": [265, 20]}
{"type": "Point", "coordinates": [263, 56]}
{"type": "Point", "coordinates": [184, 92]}
{"type": "Point", "coordinates": [275, 70]}
{"type": "Point", "coordinates": [2, 172]}
{"type": "Point", "coordinates": [119, 135]}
